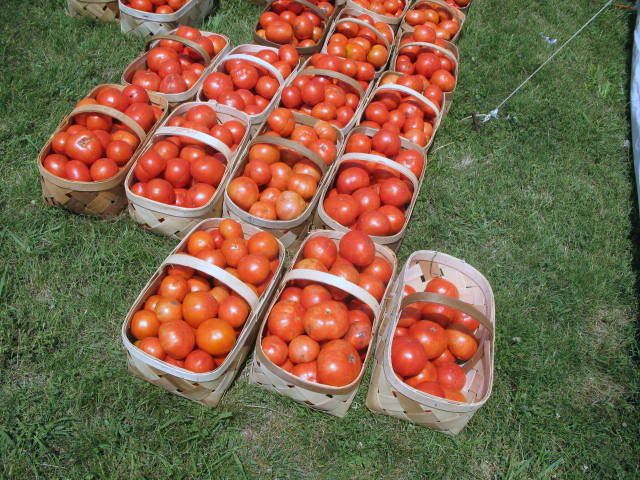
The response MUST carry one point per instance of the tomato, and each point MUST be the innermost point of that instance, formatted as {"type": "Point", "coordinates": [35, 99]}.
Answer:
{"type": "Point", "coordinates": [314, 294]}
{"type": "Point", "coordinates": [313, 92]}
{"type": "Point", "coordinates": [386, 142]}
{"type": "Point", "coordinates": [279, 32]}
{"type": "Point", "coordinates": [303, 349]}
{"type": "Point", "coordinates": [431, 388]}
{"type": "Point", "coordinates": [286, 320]}
{"type": "Point", "coordinates": [343, 208]}
{"type": "Point", "coordinates": [444, 80]}
{"type": "Point", "coordinates": [243, 192]}
{"type": "Point", "coordinates": [267, 87]}
{"type": "Point", "coordinates": [427, 374]}
{"type": "Point", "coordinates": [435, 312]}
{"type": "Point", "coordinates": [215, 84]}
{"type": "Point", "coordinates": [282, 121]}
{"type": "Point", "coordinates": [223, 134]}
{"type": "Point", "coordinates": [325, 149]}
{"type": "Point", "coordinates": [177, 172]}
{"type": "Point", "coordinates": [176, 338]}
{"type": "Point", "coordinates": [199, 361]}
{"type": "Point", "coordinates": [144, 324]}
{"type": "Point", "coordinates": [290, 205]}
{"type": "Point", "coordinates": [338, 368]}
{"type": "Point", "coordinates": [244, 76]}
{"type": "Point", "coordinates": [147, 80]}
{"type": "Point", "coordinates": [310, 264]}
{"type": "Point", "coordinates": [408, 358]}
{"type": "Point", "coordinates": [151, 346]}
{"type": "Point", "coordinates": [358, 143]}
{"type": "Point", "coordinates": [289, 54]}
{"type": "Point", "coordinates": [280, 173]}
{"type": "Point", "coordinates": [358, 248]}
{"type": "Point", "coordinates": [413, 160]}
{"type": "Point", "coordinates": [359, 335]}
{"type": "Point", "coordinates": [464, 322]}
{"type": "Point", "coordinates": [377, 112]}
{"type": "Point", "coordinates": [84, 146]}
{"type": "Point", "coordinates": [234, 310]}
{"type": "Point", "coordinates": [264, 243]}
{"type": "Point", "coordinates": [396, 192]}
{"type": "Point", "coordinates": [307, 371]}
{"type": "Point", "coordinates": [275, 349]}
{"type": "Point", "coordinates": [214, 257]}
{"type": "Point", "coordinates": [253, 269]}
{"type": "Point", "coordinates": [293, 294]}
{"type": "Point", "coordinates": [326, 321]}
{"type": "Point", "coordinates": [264, 152]}
{"type": "Point", "coordinates": [432, 337]}
{"type": "Point", "coordinates": [136, 94]}
{"type": "Point", "coordinates": [380, 268]}
{"type": "Point", "coordinates": [142, 114]}
{"type": "Point", "coordinates": [199, 241]}
{"type": "Point", "coordinates": [215, 337]}
{"type": "Point", "coordinates": [113, 97]}
{"type": "Point", "coordinates": [77, 171]}
{"type": "Point", "coordinates": [119, 151]}
{"type": "Point", "coordinates": [127, 137]}
{"type": "Point", "coordinates": [462, 345]}
{"type": "Point", "coordinates": [173, 286]}
{"type": "Point", "coordinates": [321, 248]}
{"type": "Point", "coordinates": [351, 179]}
{"type": "Point", "coordinates": [160, 190]}
{"type": "Point", "coordinates": [451, 375]}
{"type": "Point", "coordinates": [198, 284]}
{"type": "Point", "coordinates": [291, 97]}
{"type": "Point", "coordinates": [373, 222]}
{"type": "Point", "coordinates": [198, 307]}
{"type": "Point", "coordinates": [55, 164]}
{"type": "Point", "coordinates": [442, 287]}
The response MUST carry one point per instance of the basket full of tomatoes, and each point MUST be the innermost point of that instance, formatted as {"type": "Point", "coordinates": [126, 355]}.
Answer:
{"type": "Point", "coordinates": [387, 11]}
{"type": "Point", "coordinates": [83, 165]}
{"type": "Point", "coordinates": [444, 19]}
{"type": "Point", "coordinates": [176, 63]}
{"type": "Point", "coordinates": [275, 186]}
{"type": "Point", "coordinates": [302, 24]}
{"type": "Point", "coordinates": [192, 326]}
{"type": "Point", "coordinates": [357, 36]}
{"type": "Point", "coordinates": [249, 79]}
{"type": "Point", "coordinates": [179, 177]}
{"type": "Point", "coordinates": [435, 353]}
{"type": "Point", "coordinates": [103, 10]}
{"type": "Point", "coordinates": [156, 17]}
{"type": "Point", "coordinates": [316, 336]}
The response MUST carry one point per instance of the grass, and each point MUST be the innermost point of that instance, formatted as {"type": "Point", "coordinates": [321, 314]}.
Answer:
{"type": "Point", "coordinates": [542, 203]}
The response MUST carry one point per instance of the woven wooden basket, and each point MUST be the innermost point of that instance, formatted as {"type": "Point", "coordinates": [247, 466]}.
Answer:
{"type": "Point", "coordinates": [392, 87]}
{"type": "Point", "coordinates": [102, 10]}
{"type": "Point", "coordinates": [388, 394]}
{"type": "Point", "coordinates": [449, 50]}
{"type": "Point", "coordinates": [141, 23]}
{"type": "Point", "coordinates": [241, 52]}
{"type": "Point", "coordinates": [171, 220]}
{"type": "Point", "coordinates": [302, 51]}
{"type": "Point", "coordinates": [393, 21]}
{"type": "Point", "coordinates": [322, 218]}
{"type": "Point", "coordinates": [174, 99]}
{"type": "Point", "coordinates": [349, 15]}
{"type": "Point", "coordinates": [456, 13]}
{"type": "Point", "coordinates": [290, 232]}
{"type": "Point", "coordinates": [105, 198]}
{"type": "Point", "coordinates": [205, 388]}
{"type": "Point", "coordinates": [266, 374]}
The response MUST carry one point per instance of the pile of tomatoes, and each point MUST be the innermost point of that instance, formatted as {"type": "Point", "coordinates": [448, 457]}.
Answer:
{"type": "Point", "coordinates": [386, 143]}
{"type": "Point", "coordinates": [182, 171]}
{"type": "Point", "coordinates": [156, 6]}
{"type": "Point", "coordinates": [247, 86]}
{"type": "Point", "coordinates": [430, 339]}
{"type": "Point", "coordinates": [353, 41]}
{"type": "Point", "coordinates": [95, 146]}
{"type": "Point", "coordinates": [388, 8]}
{"type": "Point", "coordinates": [324, 97]}
{"type": "Point", "coordinates": [433, 66]}
{"type": "Point", "coordinates": [320, 333]}
{"type": "Point", "coordinates": [192, 321]}
{"type": "Point", "coordinates": [439, 19]}
{"type": "Point", "coordinates": [172, 67]}
{"type": "Point", "coordinates": [278, 183]}
{"type": "Point", "coordinates": [370, 197]}
{"type": "Point", "coordinates": [288, 22]}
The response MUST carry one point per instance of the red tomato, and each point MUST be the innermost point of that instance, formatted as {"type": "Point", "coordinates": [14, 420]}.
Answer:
{"type": "Point", "coordinates": [321, 248]}
{"type": "Point", "coordinates": [102, 169]}
{"type": "Point", "coordinates": [314, 294]}
{"type": "Point", "coordinates": [215, 84]}
{"type": "Point", "coordinates": [198, 307]}
{"type": "Point", "coordinates": [303, 349]}
{"type": "Point", "coordinates": [461, 344]}
{"type": "Point", "coordinates": [113, 97]}
{"type": "Point", "coordinates": [285, 320]}
{"type": "Point", "coordinates": [351, 179]}
{"type": "Point", "coordinates": [432, 388]}
{"type": "Point", "coordinates": [243, 192]}
{"type": "Point", "coordinates": [427, 374]}
{"type": "Point", "coordinates": [326, 321]}
{"type": "Point", "coordinates": [215, 337]}
{"type": "Point", "coordinates": [396, 192]}
{"type": "Point", "coordinates": [359, 335]}
{"type": "Point", "coordinates": [432, 337]}
{"type": "Point", "coordinates": [342, 208]}
{"type": "Point", "coordinates": [161, 191]}
{"type": "Point", "coordinates": [275, 349]}
{"type": "Point", "coordinates": [358, 248]}
{"type": "Point", "coordinates": [199, 361]}
{"type": "Point", "coordinates": [306, 371]}
{"type": "Point", "coordinates": [264, 243]}
{"type": "Point", "coordinates": [55, 164]}
{"type": "Point", "coordinates": [144, 324]}
{"type": "Point", "coordinates": [176, 338]}
{"type": "Point", "coordinates": [253, 269]}
{"type": "Point", "coordinates": [373, 222]}
{"type": "Point", "coordinates": [151, 346]}
{"type": "Point", "coordinates": [234, 310]}
{"type": "Point", "coordinates": [407, 356]}
{"type": "Point", "coordinates": [379, 268]}
{"type": "Point", "coordinates": [451, 375]}
{"type": "Point", "coordinates": [442, 287]}
{"type": "Point", "coordinates": [338, 368]}
{"type": "Point", "coordinates": [173, 286]}
{"type": "Point", "coordinates": [77, 171]}
{"type": "Point", "coordinates": [84, 146]}
{"type": "Point", "coordinates": [465, 322]}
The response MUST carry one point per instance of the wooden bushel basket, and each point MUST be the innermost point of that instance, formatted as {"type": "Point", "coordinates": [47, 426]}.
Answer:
{"type": "Point", "coordinates": [333, 400]}
{"type": "Point", "coordinates": [102, 10]}
{"type": "Point", "coordinates": [288, 231]}
{"type": "Point", "coordinates": [141, 23]}
{"type": "Point", "coordinates": [174, 99]}
{"type": "Point", "coordinates": [456, 13]}
{"type": "Point", "coordinates": [205, 388]}
{"type": "Point", "coordinates": [302, 51]}
{"type": "Point", "coordinates": [391, 396]}
{"type": "Point", "coordinates": [105, 198]}
{"type": "Point", "coordinates": [172, 220]}
{"type": "Point", "coordinates": [322, 218]}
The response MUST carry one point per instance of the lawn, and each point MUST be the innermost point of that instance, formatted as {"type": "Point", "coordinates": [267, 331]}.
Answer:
{"type": "Point", "coordinates": [543, 204]}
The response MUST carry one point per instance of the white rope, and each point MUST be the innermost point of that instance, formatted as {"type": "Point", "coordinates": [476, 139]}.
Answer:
{"type": "Point", "coordinates": [485, 117]}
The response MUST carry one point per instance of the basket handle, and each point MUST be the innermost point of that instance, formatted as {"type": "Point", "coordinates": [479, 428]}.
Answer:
{"type": "Point", "coordinates": [216, 272]}
{"type": "Point", "coordinates": [205, 138]}
{"type": "Point", "coordinates": [362, 23]}
{"type": "Point", "coordinates": [295, 146]}
{"type": "Point", "coordinates": [335, 281]}
{"type": "Point", "coordinates": [309, 5]}
{"type": "Point", "coordinates": [444, 51]}
{"type": "Point", "coordinates": [337, 75]}
{"type": "Point", "coordinates": [368, 157]}
{"type": "Point", "coordinates": [185, 41]}
{"type": "Point", "coordinates": [112, 112]}
{"type": "Point", "coordinates": [394, 87]}
{"type": "Point", "coordinates": [258, 61]}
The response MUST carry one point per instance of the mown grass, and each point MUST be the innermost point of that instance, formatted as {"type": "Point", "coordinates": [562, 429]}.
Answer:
{"type": "Point", "coordinates": [542, 203]}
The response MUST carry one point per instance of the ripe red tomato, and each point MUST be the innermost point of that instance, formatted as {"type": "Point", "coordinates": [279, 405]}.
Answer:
{"type": "Point", "coordinates": [442, 287]}
{"type": "Point", "coordinates": [253, 269]}
{"type": "Point", "coordinates": [199, 361]}
{"type": "Point", "coordinates": [321, 248]}
{"type": "Point", "coordinates": [198, 307]}
{"type": "Point", "coordinates": [358, 248]}
{"type": "Point", "coordinates": [359, 335]}
{"type": "Point", "coordinates": [151, 346]}
{"type": "Point", "coordinates": [267, 87]}
{"type": "Point", "coordinates": [314, 294]}
{"type": "Point", "coordinates": [282, 121]}
{"type": "Point", "coordinates": [351, 179]}
{"type": "Point", "coordinates": [55, 163]}
{"type": "Point", "coordinates": [243, 192]}
{"type": "Point", "coordinates": [77, 171]}
{"type": "Point", "coordinates": [373, 222]}
{"type": "Point", "coordinates": [275, 349]}
{"type": "Point", "coordinates": [290, 205]}
{"type": "Point", "coordinates": [407, 356]}
{"type": "Point", "coordinates": [176, 338]}
{"type": "Point", "coordinates": [215, 337]}
{"type": "Point", "coordinates": [234, 310]}
{"type": "Point", "coordinates": [432, 337]}
{"type": "Point", "coordinates": [326, 321]}
{"type": "Point", "coordinates": [144, 324]}
{"type": "Point", "coordinates": [113, 97]}
{"type": "Point", "coordinates": [394, 191]}
{"type": "Point", "coordinates": [160, 190]}
{"type": "Point", "coordinates": [84, 146]}
{"type": "Point", "coordinates": [303, 349]}
{"type": "Point", "coordinates": [427, 374]}
{"type": "Point", "coordinates": [207, 169]}
{"type": "Point", "coordinates": [432, 388]}
{"type": "Point", "coordinates": [264, 243]}
{"type": "Point", "coordinates": [451, 375]}
{"type": "Point", "coordinates": [465, 322]}
{"type": "Point", "coordinates": [215, 84]}
{"type": "Point", "coordinates": [173, 286]}
{"type": "Point", "coordinates": [234, 249]}
{"type": "Point", "coordinates": [307, 371]}
{"type": "Point", "coordinates": [379, 268]}
{"type": "Point", "coordinates": [438, 313]}
{"type": "Point", "coordinates": [461, 344]}
{"type": "Point", "coordinates": [285, 320]}
{"type": "Point", "coordinates": [343, 208]}
{"type": "Point", "coordinates": [168, 309]}
{"type": "Point", "coordinates": [338, 368]}
{"type": "Point", "coordinates": [177, 172]}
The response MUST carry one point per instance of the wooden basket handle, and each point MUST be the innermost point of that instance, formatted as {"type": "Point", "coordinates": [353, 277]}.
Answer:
{"type": "Point", "coordinates": [292, 145]}
{"type": "Point", "coordinates": [185, 41]}
{"type": "Point", "coordinates": [112, 112]}
{"type": "Point", "coordinates": [368, 157]}
{"type": "Point", "coordinates": [394, 87]}
{"type": "Point", "coordinates": [205, 138]}
{"type": "Point", "coordinates": [216, 272]}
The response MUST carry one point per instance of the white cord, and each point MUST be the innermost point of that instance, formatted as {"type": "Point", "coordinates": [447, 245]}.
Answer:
{"type": "Point", "coordinates": [485, 117]}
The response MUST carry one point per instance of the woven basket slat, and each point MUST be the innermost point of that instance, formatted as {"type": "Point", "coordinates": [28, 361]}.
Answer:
{"type": "Point", "coordinates": [389, 395]}
{"type": "Point", "coordinates": [102, 10]}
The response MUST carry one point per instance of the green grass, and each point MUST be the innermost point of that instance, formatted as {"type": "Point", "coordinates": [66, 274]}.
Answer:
{"type": "Point", "coordinates": [543, 204]}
